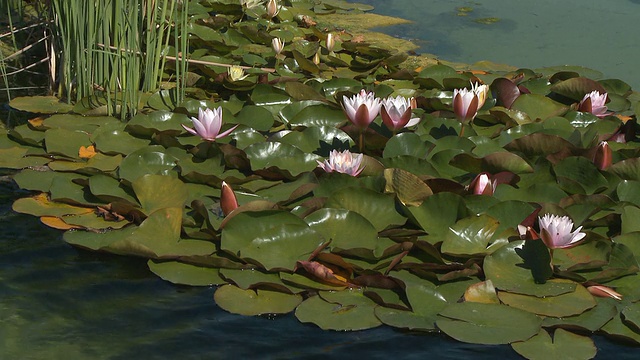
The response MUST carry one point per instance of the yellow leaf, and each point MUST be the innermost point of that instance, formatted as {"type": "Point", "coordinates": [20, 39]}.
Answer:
{"type": "Point", "coordinates": [37, 122]}
{"type": "Point", "coordinates": [57, 223]}
{"type": "Point", "coordinates": [87, 152]}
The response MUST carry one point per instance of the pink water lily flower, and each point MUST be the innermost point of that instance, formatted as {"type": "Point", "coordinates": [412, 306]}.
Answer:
{"type": "Point", "coordinates": [208, 124]}
{"type": "Point", "coordinates": [556, 232]}
{"type": "Point", "coordinates": [362, 108]}
{"type": "Point", "coordinates": [396, 113]}
{"type": "Point", "coordinates": [594, 102]}
{"type": "Point", "coordinates": [483, 184]}
{"type": "Point", "coordinates": [343, 162]}
{"type": "Point", "coordinates": [466, 103]}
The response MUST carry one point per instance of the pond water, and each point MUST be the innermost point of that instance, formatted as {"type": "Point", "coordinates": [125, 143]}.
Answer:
{"type": "Point", "coordinates": [601, 35]}
{"type": "Point", "coordinates": [58, 302]}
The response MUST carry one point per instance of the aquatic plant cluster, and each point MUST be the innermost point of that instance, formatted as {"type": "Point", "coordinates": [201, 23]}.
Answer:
{"type": "Point", "coordinates": [321, 176]}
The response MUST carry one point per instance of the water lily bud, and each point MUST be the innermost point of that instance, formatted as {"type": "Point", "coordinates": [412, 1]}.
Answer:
{"type": "Point", "coordinates": [277, 45]}
{"type": "Point", "coordinates": [603, 291]}
{"type": "Point", "coordinates": [603, 156]}
{"type": "Point", "coordinates": [228, 200]}
{"type": "Point", "coordinates": [316, 58]}
{"type": "Point", "coordinates": [483, 184]}
{"type": "Point", "coordinates": [330, 42]}
{"type": "Point", "coordinates": [272, 8]}
{"type": "Point", "coordinates": [466, 103]}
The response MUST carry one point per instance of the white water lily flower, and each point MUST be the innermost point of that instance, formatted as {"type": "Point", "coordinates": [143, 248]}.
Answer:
{"type": "Point", "coordinates": [594, 102]}
{"type": "Point", "coordinates": [343, 162]}
{"type": "Point", "coordinates": [396, 113]}
{"type": "Point", "coordinates": [555, 232]}
{"type": "Point", "coordinates": [208, 124]}
{"type": "Point", "coordinates": [362, 108]}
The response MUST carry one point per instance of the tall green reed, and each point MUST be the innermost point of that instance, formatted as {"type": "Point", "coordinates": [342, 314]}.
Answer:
{"type": "Point", "coordinates": [112, 50]}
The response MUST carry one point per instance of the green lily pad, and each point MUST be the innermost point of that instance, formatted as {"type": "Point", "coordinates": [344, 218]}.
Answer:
{"type": "Point", "coordinates": [564, 345]}
{"type": "Point", "coordinates": [255, 302]}
{"type": "Point", "coordinates": [157, 192]}
{"type": "Point", "coordinates": [487, 323]}
{"type": "Point", "coordinates": [504, 268]}
{"type": "Point", "coordinates": [378, 208]}
{"type": "Point", "coordinates": [275, 239]}
{"type": "Point", "coordinates": [470, 236]}
{"type": "Point", "coordinates": [40, 104]}
{"type": "Point", "coordinates": [185, 274]}
{"type": "Point", "coordinates": [346, 310]}
{"type": "Point", "coordinates": [568, 304]}
{"type": "Point", "coordinates": [280, 155]}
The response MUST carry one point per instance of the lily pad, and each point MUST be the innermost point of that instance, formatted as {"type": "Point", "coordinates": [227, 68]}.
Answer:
{"type": "Point", "coordinates": [487, 323]}
{"type": "Point", "coordinates": [255, 302]}
{"type": "Point", "coordinates": [563, 345]}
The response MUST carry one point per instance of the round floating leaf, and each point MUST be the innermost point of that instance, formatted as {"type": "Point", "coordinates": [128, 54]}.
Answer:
{"type": "Point", "coordinates": [583, 172]}
{"type": "Point", "coordinates": [564, 345]}
{"type": "Point", "coordinates": [538, 106]}
{"type": "Point", "coordinates": [146, 125]}
{"type": "Point", "coordinates": [628, 169]}
{"type": "Point", "coordinates": [15, 158]}
{"type": "Point", "coordinates": [255, 117]}
{"type": "Point", "coordinates": [157, 192]}
{"type": "Point", "coordinates": [255, 302]}
{"type": "Point", "coordinates": [317, 137]}
{"type": "Point", "coordinates": [283, 156]}
{"type": "Point", "coordinates": [319, 115]}
{"type": "Point", "coordinates": [470, 236]}
{"type": "Point", "coordinates": [112, 139]}
{"type": "Point", "coordinates": [342, 311]}
{"type": "Point", "coordinates": [157, 237]}
{"type": "Point", "coordinates": [590, 320]}
{"type": "Point", "coordinates": [251, 278]}
{"type": "Point", "coordinates": [346, 229]}
{"type": "Point", "coordinates": [504, 268]}
{"type": "Point", "coordinates": [575, 88]}
{"type": "Point", "coordinates": [65, 142]}
{"type": "Point", "coordinates": [487, 323]}
{"type": "Point", "coordinates": [407, 143]}
{"type": "Point", "coordinates": [148, 160]}
{"type": "Point", "coordinates": [275, 239]}
{"type": "Point", "coordinates": [40, 104]}
{"type": "Point", "coordinates": [629, 190]}
{"type": "Point", "coordinates": [40, 205]}
{"type": "Point", "coordinates": [568, 304]}
{"type": "Point", "coordinates": [109, 189]}
{"type": "Point", "coordinates": [619, 329]}
{"type": "Point", "coordinates": [410, 190]}
{"type": "Point", "coordinates": [505, 161]}
{"type": "Point", "coordinates": [185, 274]}
{"type": "Point", "coordinates": [438, 212]}
{"type": "Point", "coordinates": [540, 144]}
{"type": "Point", "coordinates": [378, 208]}
{"type": "Point", "coordinates": [482, 292]}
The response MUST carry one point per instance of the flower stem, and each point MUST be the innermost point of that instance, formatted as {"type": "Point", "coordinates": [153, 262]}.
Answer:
{"type": "Point", "coordinates": [361, 142]}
